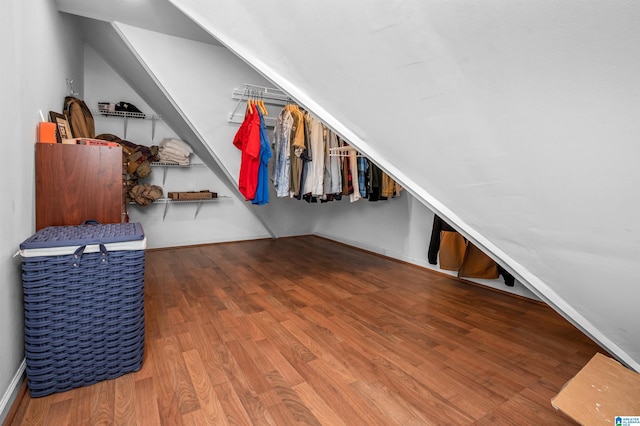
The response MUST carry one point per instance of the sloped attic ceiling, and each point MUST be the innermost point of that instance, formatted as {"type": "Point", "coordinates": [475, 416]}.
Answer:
{"type": "Point", "coordinates": [155, 15]}
{"type": "Point", "coordinates": [514, 120]}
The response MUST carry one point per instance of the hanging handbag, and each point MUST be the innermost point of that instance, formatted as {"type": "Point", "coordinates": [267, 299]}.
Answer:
{"type": "Point", "coordinates": [476, 264]}
{"type": "Point", "coordinates": [452, 250]}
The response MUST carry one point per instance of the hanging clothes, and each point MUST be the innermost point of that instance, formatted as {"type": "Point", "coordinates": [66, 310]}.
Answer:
{"type": "Point", "coordinates": [389, 188]}
{"type": "Point", "coordinates": [305, 156]}
{"type": "Point", "coordinates": [314, 166]}
{"type": "Point", "coordinates": [447, 243]}
{"type": "Point", "coordinates": [281, 174]}
{"type": "Point", "coordinates": [262, 188]}
{"type": "Point", "coordinates": [247, 140]}
{"type": "Point", "coordinates": [354, 194]}
{"type": "Point", "coordinates": [363, 168]}
{"type": "Point", "coordinates": [375, 181]}
{"type": "Point", "coordinates": [347, 178]}
{"type": "Point", "coordinates": [332, 173]}
{"type": "Point", "coordinates": [297, 148]}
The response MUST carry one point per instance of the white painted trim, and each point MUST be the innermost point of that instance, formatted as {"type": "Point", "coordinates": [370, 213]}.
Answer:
{"type": "Point", "coordinates": [518, 290]}
{"type": "Point", "coordinates": [12, 391]}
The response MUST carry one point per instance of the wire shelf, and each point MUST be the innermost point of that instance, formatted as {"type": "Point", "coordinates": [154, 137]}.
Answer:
{"type": "Point", "coordinates": [269, 95]}
{"type": "Point", "coordinates": [169, 201]}
{"type": "Point", "coordinates": [125, 114]}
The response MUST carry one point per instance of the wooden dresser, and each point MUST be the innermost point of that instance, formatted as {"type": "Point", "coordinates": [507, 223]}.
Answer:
{"type": "Point", "coordinates": [75, 183]}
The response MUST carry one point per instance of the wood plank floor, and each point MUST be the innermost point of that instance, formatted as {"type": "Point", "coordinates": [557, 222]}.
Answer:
{"type": "Point", "coordinates": [308, 331]}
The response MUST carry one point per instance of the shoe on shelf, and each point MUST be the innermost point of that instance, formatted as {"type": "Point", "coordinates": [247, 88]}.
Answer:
{"type": "Point", "coordinates": [129, 108]}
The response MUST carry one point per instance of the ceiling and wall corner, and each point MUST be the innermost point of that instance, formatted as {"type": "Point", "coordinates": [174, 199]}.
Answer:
{"type": "Point", "coordinates": [155, 15]}
{"type": "Point", "coordinates": [514, 121]}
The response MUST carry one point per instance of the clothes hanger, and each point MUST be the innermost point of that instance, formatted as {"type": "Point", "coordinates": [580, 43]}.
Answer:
{"type": "Point", "coordinates": [254, 100]}
{"type": "Point", "coordinates": [263, 108]}
{"type": "Point", "coordinates": [249, 101]}
{"type": "Point", "coordinates": [71, 91]}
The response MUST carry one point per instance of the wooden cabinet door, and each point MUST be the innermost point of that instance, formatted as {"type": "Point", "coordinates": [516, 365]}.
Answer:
{"type": "Point", "coordinates": [75, 183]}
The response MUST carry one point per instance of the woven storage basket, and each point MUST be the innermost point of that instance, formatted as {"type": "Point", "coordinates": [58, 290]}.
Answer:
{"type": "Point", "coordinates": [83, 304]}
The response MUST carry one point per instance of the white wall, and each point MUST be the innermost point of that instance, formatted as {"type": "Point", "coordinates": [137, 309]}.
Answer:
{"type": "Point", "coordinates": [399, 228]}
{"type": "Point", "coordinates": [514, 120]}
{"type": "Point", "coordinates": [223, 220]}
{"type": "Point", "coordinates": [402, 226]}
{"type": "Point", "coordinates": [200, 78]}
{"type": "Point", "coordinates": [39, 51]}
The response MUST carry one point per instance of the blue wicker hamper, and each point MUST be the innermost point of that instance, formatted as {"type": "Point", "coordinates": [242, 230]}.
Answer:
{"type": "Point", "coordinates": [83, 304]}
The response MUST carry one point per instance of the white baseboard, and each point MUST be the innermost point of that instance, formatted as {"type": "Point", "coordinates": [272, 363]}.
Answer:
{"type": "Point", "coordinates": [518, 289]}
{"type": "Point", "coordinates": [10, 394]}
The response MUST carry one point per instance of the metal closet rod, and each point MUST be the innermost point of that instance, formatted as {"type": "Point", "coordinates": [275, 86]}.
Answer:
{"type": "Point", "coordinates": [267, 94]}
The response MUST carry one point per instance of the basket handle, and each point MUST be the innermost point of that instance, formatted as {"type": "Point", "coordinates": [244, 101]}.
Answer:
{"type": "Point", "coordinates": [77, 255]}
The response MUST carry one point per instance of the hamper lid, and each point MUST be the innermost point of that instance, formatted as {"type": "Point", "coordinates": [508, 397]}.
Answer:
{"type": "Point", "coordinates": [63, 236]}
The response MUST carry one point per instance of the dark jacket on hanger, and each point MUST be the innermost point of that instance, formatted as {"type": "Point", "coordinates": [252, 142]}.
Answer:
{"type": "Point", "coordinates": [434, 243]}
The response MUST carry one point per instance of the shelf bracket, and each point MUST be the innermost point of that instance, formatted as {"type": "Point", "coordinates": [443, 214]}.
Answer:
{"type": "Point", "coordinates": [166, 206]}
{"type": "Point", "coordinates": [126, 121]}
{"type": "Point", "coordinates": [195, 216]}
{"type": "Point", "coordinates": [164, 175]}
